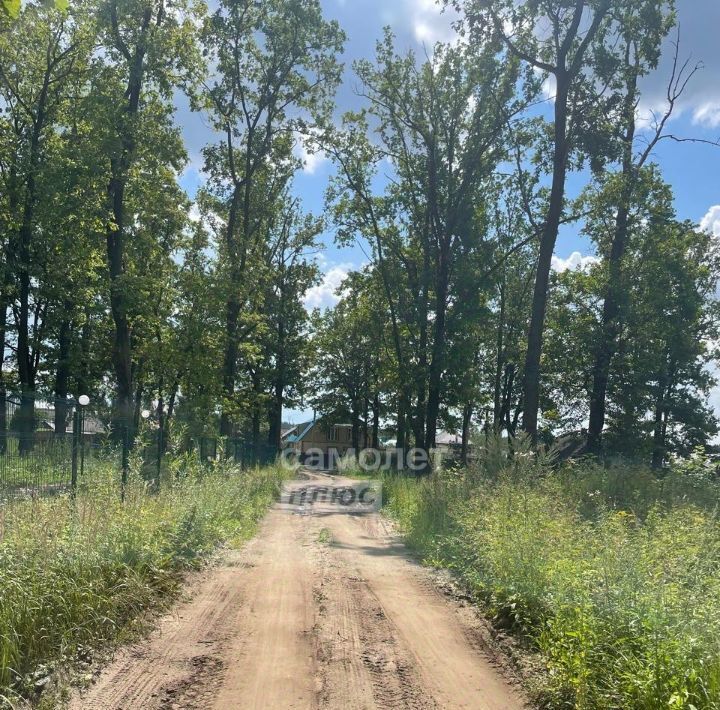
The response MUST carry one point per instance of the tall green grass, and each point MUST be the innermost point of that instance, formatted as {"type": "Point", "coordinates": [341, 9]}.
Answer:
{"type": "Point", "coordinates": [75, 574]}
{"type": "Point", "coordinates": [612, 573]}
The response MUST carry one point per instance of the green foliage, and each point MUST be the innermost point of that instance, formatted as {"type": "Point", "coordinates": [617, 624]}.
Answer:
{"type": "Point", "coordinates": [667, 283]}
{"type": "Point", "coordinates": [611, 574]}
{"type": "Point", "coordinates": [75, 575]}
{"type": "Point", "coordinates": [275, 72]}
{"type": "Point", "coordinates": [11, 8]}
{"type": "Point", "coordinates": [441, 122]}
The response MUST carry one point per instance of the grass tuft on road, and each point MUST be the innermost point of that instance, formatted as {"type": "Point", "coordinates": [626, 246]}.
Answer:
{"type": "Point", "coordinates": [75, 575]}
{"type": "Point", "coordinates": [613, 574]}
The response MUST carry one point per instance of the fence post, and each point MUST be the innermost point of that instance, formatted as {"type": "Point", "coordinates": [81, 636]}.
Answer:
{"type": "Point", "coordinates": [159, 455]}
{"type": "Point", "coordinates": [75, 447]}
{"type": "Point", "coordinates": [82, 442]}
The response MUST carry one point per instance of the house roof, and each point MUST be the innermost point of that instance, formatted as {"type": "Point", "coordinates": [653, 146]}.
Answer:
{"type": "Point", "coordinates": [443, 437]}
{"type": "Point", "coordinates": [284, 433]}
{"type": "Point", "coordinates": [299, 431]}
{"type": "Point", "coordinates": [91, 425]}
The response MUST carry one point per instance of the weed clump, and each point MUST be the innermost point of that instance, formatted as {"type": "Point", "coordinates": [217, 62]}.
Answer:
{"type": "Point", "coordinates": [75, 574]}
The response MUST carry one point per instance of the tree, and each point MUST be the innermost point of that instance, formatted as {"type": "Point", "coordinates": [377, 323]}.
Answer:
{"type": "Point", "coordinates": [276, 71]}
{"type": "Point", "coordinates": [147, 45]}
{"type": "Point", "coordinates": [672, 275]}
{"type": "Point", "coordinates": [441, 125]}
{"type": "Point", "coordinates": [347, 369]}
{"type": "Point", "coordinates": [563, 51]}
{"type": "Point", "coordinates": [286, 349]}
{"type": "Point", "coordinates": [34, 87]}
{"type": "Point", "coordinates": [657, 381]}
{"type": "Point", "coordinates": [639, 58]}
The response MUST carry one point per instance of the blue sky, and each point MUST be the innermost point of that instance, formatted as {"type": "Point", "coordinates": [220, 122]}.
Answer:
{"type": "Point", "coordinates": [692, 169]}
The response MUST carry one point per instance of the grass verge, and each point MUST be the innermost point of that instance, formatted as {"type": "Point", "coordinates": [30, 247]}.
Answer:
{"type": "Point", "coordinates": [75, 575]}
{"type": "Point", "coordinates": [613, 575]}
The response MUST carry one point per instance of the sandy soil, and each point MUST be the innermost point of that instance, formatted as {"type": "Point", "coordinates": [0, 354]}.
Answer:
{"type": "Point", "coordinates": [320, 610]}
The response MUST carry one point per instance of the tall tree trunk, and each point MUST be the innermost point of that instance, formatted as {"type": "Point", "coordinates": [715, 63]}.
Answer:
{"type": "Point", "coordinates": [162, 422]}
{"type": "Point", "coordinates": [275, 422]}
{"type": "Point", "coordinates": [658, 453]}
{"type": "Point", "coordinates": [366, 424]}
{"type": "Point", "coordinates": [499, 362]}
{"type": "Point", "coordinates": [376, 421]}
{"type": "Point", "coordinates": [256, 415]}
{"type": "Point", "coordinates": [612, 315]}
{"type": "Point", "coordinates": [120, 166]}
{"type": "Point", "coordinates": [506, 420]}
{"type": "Point", "coordinates": [531, 389]}
{"type": "Point", "coordinates": [121, 351]}
{"type": "Point", "coordinates": [62, 374]}
{"type": "Point", "coordinates": [438, 350]}
{"type": "Point", "coordinates": [137, 406]}
{"type": "Point", "coordinates": [421, 375]}
{"type": "Point", "coordinates": [404, 407]}
{"type": "Point", "coordinates": [610, 328]}
{"type": "Point", "coordinates": [3, 387]}
{"type": "Point", "coordinates": [232, 314]}
{"type": "Point", "coordinates": [26, 370]}
{"type": "Point", "coordinates": [665, 388]}
{"type": "Point", "coordinates": [402, 432]}
{"type": "Point", "coordinates": [25, 355]}
{"type": "Point", "coordinates": [255, 433]}
{"type": "Point", "coordinates": [355, 417]}
{"type": "Point", "coordinates": [170, 411]}
{"type": "Point", "coordinates": [276, 406]}
{"type": "Point", "coordinates": [82, 371]}
{"type": "Point", "coordinates": [467, 418]}
{"type": "Point", "coordinates": [229, 366]}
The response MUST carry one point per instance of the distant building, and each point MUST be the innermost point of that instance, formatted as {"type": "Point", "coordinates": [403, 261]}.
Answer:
{"type": "Point", "coordinates": [320, 435]}
{"type": "Point", "coordinates": [285, 428]}
{"type": "Point", "coordinates": [92, 427]}
{"type": "Point", "coordinates": [447, 442]}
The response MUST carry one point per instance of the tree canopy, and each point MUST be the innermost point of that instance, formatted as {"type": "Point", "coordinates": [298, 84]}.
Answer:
{"type": "Point", "coordinates": [451, 172]}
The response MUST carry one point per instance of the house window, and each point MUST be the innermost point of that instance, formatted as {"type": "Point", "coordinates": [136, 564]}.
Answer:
{"type": "Point", "coordinates": [332, 433]}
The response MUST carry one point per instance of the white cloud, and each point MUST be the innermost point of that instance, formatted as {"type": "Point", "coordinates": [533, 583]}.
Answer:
{"type": "Point", "coordinates": [549, 88]}
{"type": "Point", "coordinates": [707, 114]}
{"type": "Point", "coordinates": [430, 23]}
{"type": "Point", "coordinates": [311, 158]}
{"type": "Point", "coordinates": [194, 213]}
{"type": "Point", "coordinates": [575, 261]}
{"type": "Point", "coordinates": [423, 33]}
{"type": "Point", "coordinates": [714, 396]}
{"type": "Point", "coordinates": [698, 22]}
{"type": "Point", "coordinates": [325, 295]}
{"type": "Point", "coordinates": [649, 113]}
{"type": "Point", "coordinates": [711, 221]}
{"type": "Point", "coordinates": [549, 85]}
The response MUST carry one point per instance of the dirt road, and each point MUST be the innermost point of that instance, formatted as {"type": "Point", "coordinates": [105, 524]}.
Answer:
{"type": "Point", "coordinates": [321, 610]}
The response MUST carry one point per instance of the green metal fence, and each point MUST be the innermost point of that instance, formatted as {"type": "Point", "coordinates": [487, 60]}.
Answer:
{"type": "Point", "coordinates": [53, 447]}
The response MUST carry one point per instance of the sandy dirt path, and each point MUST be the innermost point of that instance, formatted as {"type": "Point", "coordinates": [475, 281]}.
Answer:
{"type": "Point", "coordinates": [322, 610]}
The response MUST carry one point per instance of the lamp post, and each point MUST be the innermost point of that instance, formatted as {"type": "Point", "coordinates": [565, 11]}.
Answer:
{"type": "Point", "coordinates": [78, 425]}
{"type": "Point", "coordinates": [160, 443]}
{"type": "Point", "coordinates": [83, 401]}
{"type": "Point", "coordinates": [145, 414]}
